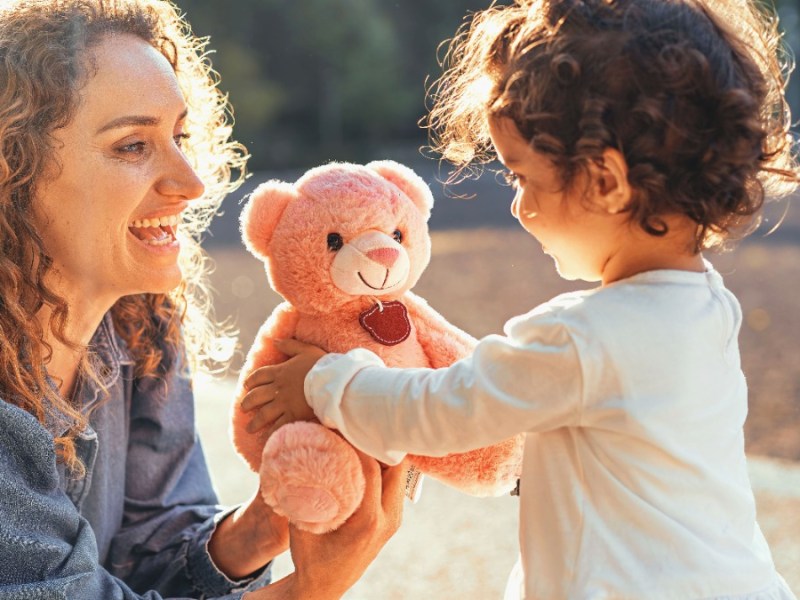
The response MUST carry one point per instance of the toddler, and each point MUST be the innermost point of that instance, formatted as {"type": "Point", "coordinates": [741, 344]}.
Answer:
{"type": "Point", "coordinates": [637, 134]}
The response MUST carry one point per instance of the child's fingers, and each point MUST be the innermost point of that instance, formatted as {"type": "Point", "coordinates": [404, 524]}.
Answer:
{"type": "Point", "coordinates": [293, 347]}
{"type": "Point", "coordinates": [260, 376]}
{"type": "Point", "coordinates": [264, 417]}
{"type": "Point", "coordinates": [258, 397]}
{"type": "Point", "coordinates": [277, 424]}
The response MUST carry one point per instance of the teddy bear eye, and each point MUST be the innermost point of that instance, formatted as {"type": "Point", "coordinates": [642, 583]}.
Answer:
{"type": "Point", "coordinates": [398, 236]}
{"type": "Point", "coordinates": [335, 241]}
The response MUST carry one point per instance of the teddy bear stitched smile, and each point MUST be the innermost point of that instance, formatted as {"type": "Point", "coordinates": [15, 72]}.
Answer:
{"type": "Point", "coordinates": [366, 259]}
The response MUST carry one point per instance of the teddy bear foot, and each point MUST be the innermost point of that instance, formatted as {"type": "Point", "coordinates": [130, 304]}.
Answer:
{"type": "Point", "coordinates": [312, 476]}
{"type": "Point", "coordinates": [307, 504]}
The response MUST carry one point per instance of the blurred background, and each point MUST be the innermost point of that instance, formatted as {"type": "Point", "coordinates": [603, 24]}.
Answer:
{"type": "Point", "coordinates": [314, 80]}
{"type": "Point", "coordinates": [318, 80]}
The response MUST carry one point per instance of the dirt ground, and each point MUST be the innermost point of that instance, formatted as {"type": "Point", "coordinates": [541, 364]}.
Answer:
{"type": "Point", "coordinates": [478, 278]}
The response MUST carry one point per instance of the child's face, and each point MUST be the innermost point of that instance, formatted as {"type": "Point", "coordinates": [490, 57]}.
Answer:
{"type": "Point", "coordinates": [581, 237]}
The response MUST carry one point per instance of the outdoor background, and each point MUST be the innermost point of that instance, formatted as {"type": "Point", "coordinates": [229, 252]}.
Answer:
{"type": "Point", "coordinates": [318, 80]}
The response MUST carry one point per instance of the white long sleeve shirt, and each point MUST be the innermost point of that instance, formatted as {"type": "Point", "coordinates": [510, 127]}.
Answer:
{"type": "Point", "coordinates": [632, 397]}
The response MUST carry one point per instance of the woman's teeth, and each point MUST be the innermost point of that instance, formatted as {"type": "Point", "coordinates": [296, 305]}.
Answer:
{"type": "Point", "coordinates": [171, 220]}
{"type": "Point", "coordinates": [157, 231]}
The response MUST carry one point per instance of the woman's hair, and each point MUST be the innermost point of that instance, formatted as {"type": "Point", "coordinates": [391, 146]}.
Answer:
{"type": "Point", "coordinates": [691, 92]}
{"type": "Point", "coordinates": [44, 46]}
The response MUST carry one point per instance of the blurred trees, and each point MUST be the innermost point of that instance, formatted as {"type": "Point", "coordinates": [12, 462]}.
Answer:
{"type": "Point", "coordinates": [314, 80]}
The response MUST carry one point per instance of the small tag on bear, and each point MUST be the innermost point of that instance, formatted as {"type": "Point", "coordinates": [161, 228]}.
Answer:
{"type": "Point", "coordinates": [386, 322]}
{"type": "Point", "coordinates": [413, 484]}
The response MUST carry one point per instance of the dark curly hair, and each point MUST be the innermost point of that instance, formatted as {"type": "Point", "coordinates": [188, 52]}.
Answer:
{"type": "Point", "coordinates": [691, 92]}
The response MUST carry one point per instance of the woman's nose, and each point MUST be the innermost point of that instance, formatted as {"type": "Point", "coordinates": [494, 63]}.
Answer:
{"type": "Point", "coordinates": [180, 179]}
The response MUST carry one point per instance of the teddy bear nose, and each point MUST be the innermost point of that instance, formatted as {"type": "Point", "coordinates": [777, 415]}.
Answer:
{"type": "Point", "coordinates": [384, 256]}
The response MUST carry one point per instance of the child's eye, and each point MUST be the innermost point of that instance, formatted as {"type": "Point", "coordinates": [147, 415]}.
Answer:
{"type": "Point", "coordinates": [512, 179]}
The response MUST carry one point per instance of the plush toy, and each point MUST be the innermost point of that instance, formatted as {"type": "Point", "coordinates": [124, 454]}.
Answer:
{"type": "Point", "coordinates": [343, 245]}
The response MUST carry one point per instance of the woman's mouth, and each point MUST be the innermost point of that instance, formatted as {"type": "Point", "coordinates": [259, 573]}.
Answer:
{"type": "Point", "coordinates": [156, 231]}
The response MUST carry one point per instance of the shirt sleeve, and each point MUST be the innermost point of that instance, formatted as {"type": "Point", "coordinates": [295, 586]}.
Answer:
{"type": "Point", "coordinates": [171, 508]}
{"type": "Point", "coordinates": [527, 382]}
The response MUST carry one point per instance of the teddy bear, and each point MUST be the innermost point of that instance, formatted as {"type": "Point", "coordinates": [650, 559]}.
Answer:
{"type": "Point", "coordinates": [343, 246]}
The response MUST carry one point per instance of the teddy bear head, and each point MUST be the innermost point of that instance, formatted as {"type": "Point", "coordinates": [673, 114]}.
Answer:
{"type": "Point", "coordinates": [341, 233]}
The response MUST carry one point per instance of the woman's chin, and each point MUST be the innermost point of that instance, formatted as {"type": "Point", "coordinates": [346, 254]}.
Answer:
{"type": "Point", "coordinates": [165, 283]}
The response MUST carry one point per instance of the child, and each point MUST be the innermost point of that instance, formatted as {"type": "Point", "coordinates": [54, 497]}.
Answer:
{"type": "Point", "coordinates": [637, 134]}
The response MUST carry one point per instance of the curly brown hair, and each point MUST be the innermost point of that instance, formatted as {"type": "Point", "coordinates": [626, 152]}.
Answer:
{"type": "Point", "coordinates": [43, 64]}
{"type": "Point", "coordinates": [691, 92]}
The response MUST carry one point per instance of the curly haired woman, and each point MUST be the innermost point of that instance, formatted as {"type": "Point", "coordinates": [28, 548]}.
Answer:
{"type": "Point", "coordinates": [115, 154]}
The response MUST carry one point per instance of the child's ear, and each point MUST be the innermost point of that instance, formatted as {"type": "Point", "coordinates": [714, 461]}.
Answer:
{"type": "Point", "coordinates": [610, 182]}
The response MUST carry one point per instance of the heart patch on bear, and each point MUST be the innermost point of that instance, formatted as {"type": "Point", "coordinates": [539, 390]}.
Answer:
{"type": "Point", "coordinates": [386, 322]}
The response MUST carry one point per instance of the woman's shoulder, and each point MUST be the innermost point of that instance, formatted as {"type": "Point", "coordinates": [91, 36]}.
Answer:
{"type": "Point", "coordinates": [26, 447]}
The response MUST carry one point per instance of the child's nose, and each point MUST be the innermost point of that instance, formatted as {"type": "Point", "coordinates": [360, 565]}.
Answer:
{"type": "Point", "coordinates": [515, 206]}
{"type": "Point", "coordinates": [384, 256]}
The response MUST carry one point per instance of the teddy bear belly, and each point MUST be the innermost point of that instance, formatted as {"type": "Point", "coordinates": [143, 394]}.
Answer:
{"type": "Point", "coordinates": [341, 335]}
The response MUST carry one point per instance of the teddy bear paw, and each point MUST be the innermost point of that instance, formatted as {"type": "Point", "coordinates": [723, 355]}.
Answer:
{"type": "Point", "coordinates": [312, 476]}
{"type": "Point", "coordinates": [307, 503]}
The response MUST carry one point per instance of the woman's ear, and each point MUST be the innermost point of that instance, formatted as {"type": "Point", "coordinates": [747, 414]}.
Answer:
{"type": "Point", "coordinates": [610, 182]}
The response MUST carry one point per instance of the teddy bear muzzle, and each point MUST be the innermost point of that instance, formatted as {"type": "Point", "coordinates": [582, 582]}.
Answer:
{"type": "Point", "coordinates": [370, 264]}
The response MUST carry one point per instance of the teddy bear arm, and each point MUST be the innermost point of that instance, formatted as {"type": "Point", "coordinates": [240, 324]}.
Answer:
{"type": "Point", "coordinates": [442, 342]}
{"type": "Point", "coordinates": [281, 324]}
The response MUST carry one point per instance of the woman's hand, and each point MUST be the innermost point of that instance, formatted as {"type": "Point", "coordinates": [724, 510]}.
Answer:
{"type": "Point", "coordinates": [327, 565]}
{"type": "Point", "coordinates": [246, 540]}
{"type": "Point", "coordinates": [275, 393]}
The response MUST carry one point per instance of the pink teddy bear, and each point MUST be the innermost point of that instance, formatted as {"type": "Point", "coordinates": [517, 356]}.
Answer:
{"type": "Point", "coordinates": [344, 245]}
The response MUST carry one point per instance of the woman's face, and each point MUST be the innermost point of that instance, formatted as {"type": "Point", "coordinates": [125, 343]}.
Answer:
{"type": "Point", "coordinates": [108, 215]}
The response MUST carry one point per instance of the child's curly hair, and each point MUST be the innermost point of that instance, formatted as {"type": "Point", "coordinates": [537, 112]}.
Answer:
{"type": "Point", "coordinates": [691, 92]}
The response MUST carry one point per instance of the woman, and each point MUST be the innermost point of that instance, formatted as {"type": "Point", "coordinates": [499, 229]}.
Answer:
{"type": "Point", "coordinates": [115, 154]}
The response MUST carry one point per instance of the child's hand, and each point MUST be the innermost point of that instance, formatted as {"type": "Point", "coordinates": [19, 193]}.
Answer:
{"type": "Point", "coordinates": [275, 393]}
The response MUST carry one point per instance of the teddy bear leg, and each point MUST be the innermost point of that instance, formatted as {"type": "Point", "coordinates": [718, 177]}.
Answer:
{"type": "Point", "coordinates": [312, 476]}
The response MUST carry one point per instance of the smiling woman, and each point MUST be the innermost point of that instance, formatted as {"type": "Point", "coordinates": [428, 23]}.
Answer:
{"type": "Point", "coordinates": [115, 152]}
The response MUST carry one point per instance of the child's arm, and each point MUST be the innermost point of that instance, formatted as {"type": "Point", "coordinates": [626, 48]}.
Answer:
{"type": "Point", "coordinates": [507, 386]}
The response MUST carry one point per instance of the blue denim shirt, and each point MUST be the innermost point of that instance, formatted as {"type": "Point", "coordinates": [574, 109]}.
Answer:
{"type": "Point", "coordinates": [137, 525]}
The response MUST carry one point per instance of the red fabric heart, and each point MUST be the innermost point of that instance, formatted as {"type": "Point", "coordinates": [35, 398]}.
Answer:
{"type": "Point", "coordinates": [386, 322]}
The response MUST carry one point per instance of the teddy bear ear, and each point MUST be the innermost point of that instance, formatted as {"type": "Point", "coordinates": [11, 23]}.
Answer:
{"type": "Point", "coordinates": [262, 212]}
{"type": "Point", "coordinates": [408, 181]}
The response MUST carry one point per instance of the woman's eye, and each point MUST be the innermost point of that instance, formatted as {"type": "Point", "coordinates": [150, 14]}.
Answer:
{"type": "Point", "coordinates": [398, 236]}
{"type": "Point", "coordinates": [180, 138]}
{"type": "Point", "coordinates": [335, 242]}
{"type": "Point", "coordinates": [133, 148]}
